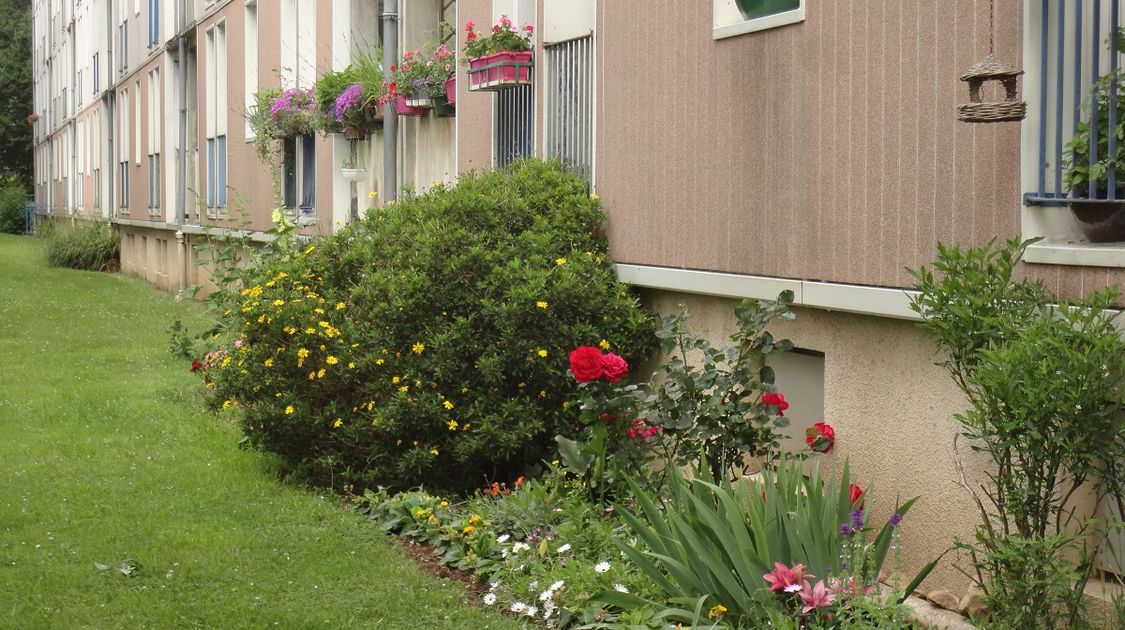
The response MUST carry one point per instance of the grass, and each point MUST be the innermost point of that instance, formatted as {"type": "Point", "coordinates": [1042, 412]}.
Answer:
{"type": "Point", "coordinates": [108, 457]}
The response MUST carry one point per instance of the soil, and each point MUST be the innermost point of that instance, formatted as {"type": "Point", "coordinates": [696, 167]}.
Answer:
{"type": "Point", "coordinates": [428, 560]}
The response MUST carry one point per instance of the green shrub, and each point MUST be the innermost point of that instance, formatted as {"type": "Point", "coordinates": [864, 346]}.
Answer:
{"type": "Point", "coordinates": [91, 245]}
{"type": "Point", "coordinates": [429, 342]}
{"type": "Point", "coordinates": [12, 200]}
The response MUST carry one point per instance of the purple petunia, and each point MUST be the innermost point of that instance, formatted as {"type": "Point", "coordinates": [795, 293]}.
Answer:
{"type": "Point", "coordinates": [347, 100]}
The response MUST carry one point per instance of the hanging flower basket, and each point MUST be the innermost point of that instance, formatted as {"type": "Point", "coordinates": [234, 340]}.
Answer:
{"type": "Point", "coordinates": [353, 174]}
{"type": "Point", "coordinates": [420, 102]}
{"type": "Point", "coordinates": [403, 108]}
{"type": "Point", "coordinates": [500, 70]}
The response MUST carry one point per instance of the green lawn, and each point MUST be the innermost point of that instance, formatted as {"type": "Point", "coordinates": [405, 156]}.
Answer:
{"type": "Point", "coordinates": [107, 456]}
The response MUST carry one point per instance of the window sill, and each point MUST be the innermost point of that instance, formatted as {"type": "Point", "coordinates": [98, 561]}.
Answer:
{"type": "Point", "coordinates": [1058, 252]}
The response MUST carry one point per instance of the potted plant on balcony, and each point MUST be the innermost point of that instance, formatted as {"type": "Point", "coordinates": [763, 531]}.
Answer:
{"type": "Point", "coordinates": [293, 113]}
{"type": "Point", "coordinates": [1101, 219]}
{"type": "Point", "coordinates": [349, 100]}
{"type": "Point", "coordinates": [500, 60]}
{"type": "Point", "coordinates": [418, 79]}
{"type": "Point", "coordinates": [352, 168]}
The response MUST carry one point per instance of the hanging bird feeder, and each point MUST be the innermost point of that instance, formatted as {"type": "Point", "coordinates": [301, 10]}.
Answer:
{"type": "Point", "coordinates": [992, 68]}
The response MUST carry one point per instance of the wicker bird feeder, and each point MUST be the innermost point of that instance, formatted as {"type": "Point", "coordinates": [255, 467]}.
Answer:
{"type": "Point", "coordinates": [992, 68]}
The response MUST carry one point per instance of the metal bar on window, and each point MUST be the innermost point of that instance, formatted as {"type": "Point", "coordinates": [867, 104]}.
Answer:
{"type": "Point", "coordinates": [1077, 64]}
{"type": "Point", "coordinates": [1059, 92]}
{"type": "Point", "coordinates": [1043, 103]}
{"type": "Point", "coordinates": [1111, 186]}
{"type": "Point", "coordinates": [1093, 187]}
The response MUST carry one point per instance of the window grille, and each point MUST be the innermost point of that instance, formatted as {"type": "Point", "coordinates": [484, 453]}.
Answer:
{"type": "Point", "coordinates": [515, 124]}
{"type": "Point", "coordinates": [570, 104]}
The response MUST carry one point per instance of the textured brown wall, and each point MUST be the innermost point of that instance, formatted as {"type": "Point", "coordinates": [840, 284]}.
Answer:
{"type": "Point", "coordinates": [824, 150]}
{"type": "Point", "coordinates": [474, 111]}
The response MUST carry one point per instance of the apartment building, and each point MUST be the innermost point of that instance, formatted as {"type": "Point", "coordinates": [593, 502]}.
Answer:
{"type": "Point", "coordinates": [813, 146]}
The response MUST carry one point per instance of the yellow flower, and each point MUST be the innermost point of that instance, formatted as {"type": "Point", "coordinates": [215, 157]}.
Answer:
{"type": "Point", "coordinates": [404, 388]}
{"type": "Point", "coordinates": [279, 302]}
{"type": "Point", "coordinates": [351, 365]}
{"type": "Point", "coordinates": [268, 362]}
{"type": "Point", "coordinates": [289, 410]}
{"type": "Point", "coordinates": [312, 376]}
{"type": "Point", "coordinates": [341, 306]}
{"type": "Point", "coordinates": [331, 360]}
{"type": "Point", "coordinates": [465, 427]}
{"type": "Point", "coordinates": [320, 373]}
{"type": "Point", "coordinates": [541, 304]}
{"type": "Point", "coordinates": [595, 197]}
{"type": "Point", "coordinates": [390, 202]}
{"type": "Point", "coordinates": [716, 611]}
{"type": "Point", "coordinates": [337, 424]}
{"type": "Point", "coordinates": [475, 518]}
{"type": "Point", "coordinates": [379, 362]}
{"type": "Point", "coordinates": [227, 405]}
{"type": "Point", "coordinates": [418, 347]}
{"type": "Point", "coordinates": [447, 405]}
{"type": "Point", "coordinates": [372, 194]}
{"type": "Point", "coordinates": [261, 319]}
{"type": "Point", "coordinates": [395, 380]}
{"type": "Point", "coordinates": [310, 331]}
{"type": "Point", "coordinates": [542, 352]}
{"type": "Point", "coordinates": [434, 452]}
{"type": "Point", "coordinates": [452, 425]}
{"type": "Point", "coordinates": [560, 261]}
{"type": "Point", "coordinates": [468, 529]}
{"type": "Point", "coordinates": [310, 249]}
{"type": "Point", "coordinates": [290, 329]}
{"type": "Point", "coordinates": [225, 363]}
{"type": "Point", "coordinates": [603, 344]}
{"type": "Point", "coordinates": [318, 311]}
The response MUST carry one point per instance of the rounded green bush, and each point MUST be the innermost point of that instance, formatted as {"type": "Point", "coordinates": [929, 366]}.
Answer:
{"type": "Point", "coordinates": [12, 200]}
{"type": "Point", "coordinates": [429, 342]}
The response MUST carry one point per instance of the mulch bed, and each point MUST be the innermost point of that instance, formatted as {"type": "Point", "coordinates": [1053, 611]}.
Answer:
{"type": "Point", "coordinates": [428, 560]}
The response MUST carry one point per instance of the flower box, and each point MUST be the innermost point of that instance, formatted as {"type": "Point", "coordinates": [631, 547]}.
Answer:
{"type": "Point", "coordinates": [443, 108]}
{"type": "Point", "coordinates": [403, 108]}
{"type": "Point", "coordinates": [421, 102]}
{"type": "Point", "coordinates": [353, 174]}
{"type": "Point", "coordinates": [500, 71]}
{"type": "Point", "coordinates": [451, 90]}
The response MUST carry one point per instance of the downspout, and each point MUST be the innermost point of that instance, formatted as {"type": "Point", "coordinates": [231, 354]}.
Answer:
{"type": "Point", "coordinates": [390, 119]}
{"type": "Point", "coordinates": [109, 98]}
{"type": "Point", "coordinates": [73, 117]}
{"type": "Point", "coordinates": [181, 162]}
{"type": "Point", "coordinates": [50, 122]}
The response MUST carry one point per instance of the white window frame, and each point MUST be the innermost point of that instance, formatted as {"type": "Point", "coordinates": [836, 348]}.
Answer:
{"type": "Point", "coordinates": [215, 149]}
{"type": "Point", "coordinates": [250, 59]}
{"type": "Point", "coordinates": [733, 28]}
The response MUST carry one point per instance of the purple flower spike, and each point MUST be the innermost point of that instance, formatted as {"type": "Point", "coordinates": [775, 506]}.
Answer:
{"type": "Point", "coordinates": [896, 518]}
{"type": "Point", "coordinates": [857, 518]}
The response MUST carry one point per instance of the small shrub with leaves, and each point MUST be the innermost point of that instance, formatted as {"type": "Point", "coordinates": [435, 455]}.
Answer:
{"type": "Point", "coordinates": [428, 343]}
{"type": "Point", "coordinates": [89, 245]}
{"type": "Point", "coordinates": [12, 200]}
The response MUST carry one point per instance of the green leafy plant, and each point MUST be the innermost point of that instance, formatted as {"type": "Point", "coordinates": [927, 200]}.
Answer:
{"type": "Point", "coordinates": [1078, 172]}
{"type": "Point", "coordinates": [1045, 386]}
{"type": "Point", "coordinates": [12, 200]}
{"type": "Point", "coordinates": [422, 73]}
{"type": "Point", "coordinates": [427, 343]}
{"type": "Point", "coordinates": [719, 540]}
{"type": "Point", "coordinates": [89, 245]}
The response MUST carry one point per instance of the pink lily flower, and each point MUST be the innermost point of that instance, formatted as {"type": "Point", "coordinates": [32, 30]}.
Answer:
{"type": "Point", "coordinates": [816, 597]}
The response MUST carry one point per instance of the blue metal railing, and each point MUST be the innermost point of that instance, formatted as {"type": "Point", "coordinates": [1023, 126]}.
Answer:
{"type": "Point", "coordinates": [1077, 38]}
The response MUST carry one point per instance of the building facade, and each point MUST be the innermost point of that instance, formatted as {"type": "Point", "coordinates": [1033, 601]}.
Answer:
{"type": "Point", "coordinates": [811, 147]}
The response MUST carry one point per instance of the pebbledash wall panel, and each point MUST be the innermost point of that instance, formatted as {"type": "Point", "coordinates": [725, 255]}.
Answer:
{"type": "Point", "coordinates": [825, 150]}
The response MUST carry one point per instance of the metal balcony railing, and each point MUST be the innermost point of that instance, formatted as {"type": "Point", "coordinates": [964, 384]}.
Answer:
{"type": "Point", "coordinates": [1078, 73]}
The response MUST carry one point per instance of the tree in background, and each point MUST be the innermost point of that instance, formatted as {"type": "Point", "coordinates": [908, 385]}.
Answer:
{"type": "Point", "coordinates": [15, 97]}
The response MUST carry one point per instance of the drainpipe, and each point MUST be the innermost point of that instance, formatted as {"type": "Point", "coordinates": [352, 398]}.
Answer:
{"type": "Point", "coordinates": [390, 119]}
{"type": "Point", "coordinates": [181, 162]}
{"type": "Point", "coordinates": [73, 125]}
{"type": "Point", "coordinates": [109, 99]}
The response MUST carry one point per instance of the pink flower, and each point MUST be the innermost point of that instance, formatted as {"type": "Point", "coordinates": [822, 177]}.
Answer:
{"type": "Point", "coordinates": [469, 26]}
{"type": "Point", "coordinates": [614, 367]}
{"type": "Point", "coordinates": [505, 21]}
{"type": "Point", "coordinates": [237, 343]}
{"type": "Point", "coordinates": [816, 597]}
{"type": "Point", "coordinates": [448, 67]}
{"type": "Point", "coordinates": [782, 578]}
{"type": "Point", "coordinates": [495, 28]}
{"type": "Point", "coordinates": [530, 28]}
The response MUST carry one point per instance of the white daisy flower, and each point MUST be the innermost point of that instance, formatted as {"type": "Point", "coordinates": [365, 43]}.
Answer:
{"type": "Point", "coordinates": [531, 611]}
{"type": "Point", "coordinates": [534, 584]}
{"type": "Point", "coordinates": [601, 567]}
{"type": "Point", "coordinates": [489, 599]}
{"type": "Point", "coordinates": [557, 585]}
{"type": "Point", "coordinates": [518, 607]}
{"type": "Point", "coordinates": [520, 546]}
{"type": "Point", "coordinates": [564, 548]}
{"type": "Point", "coordinates": [620, 588]}
{"type": "Point", "coordinates": [502, 538]}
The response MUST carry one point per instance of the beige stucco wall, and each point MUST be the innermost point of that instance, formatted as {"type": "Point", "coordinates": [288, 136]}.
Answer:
{"type": "Point", "coordinates": [892, 409]}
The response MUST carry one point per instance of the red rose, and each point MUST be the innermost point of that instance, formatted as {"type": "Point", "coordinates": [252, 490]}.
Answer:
{"type": "Point", "coordinates": [196, 365]}
{"type": "Point", "coordinates": [614, 367]}
{"type": "Point", "coordinates": [586, 364]}
{"type": "Point", "coordinates": [855, 493]}
{"type": "Point", "coordinates": [609, 417]}
{"type": "Point", "coordinates": [820, 437]}
{"type": "Point", "coordinates": [777, 400]}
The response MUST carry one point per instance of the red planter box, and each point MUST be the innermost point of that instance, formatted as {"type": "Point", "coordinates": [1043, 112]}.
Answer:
{"type": "Point", "coordinates": [405, 110]}
{"type": "Point", "coordinates": [500, 70]}
{"type": "Point", "coordinates": [451, 89]}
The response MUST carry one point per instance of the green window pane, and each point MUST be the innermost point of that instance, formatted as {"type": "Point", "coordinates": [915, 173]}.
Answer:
{"type": "Point", "coordinates": [752, 9]}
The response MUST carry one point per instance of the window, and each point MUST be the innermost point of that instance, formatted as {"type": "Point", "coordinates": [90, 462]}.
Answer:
{"type": "Point", "coordinates": [515, 124]}
{"type": "Point", "coordinates": [123, 58]}
{"type": "Point", "coordinates": [735, 17]}
{"type": "Point", "coordinates": [97, 74]}
{"type": "Point", "coordinates": [216, 118]}
{"type": "Point", "coordinates": [123, 186]}
{"type": "Point", "coordinates": [153, 23]}
{"type": "Point", "coordinates": [137, 152]}
{"type": "Point", "coordinates": [154, 140]}
{"type": "Point", "coordinates": [299, 174]}
{"type": "Point", "coordinates": [298, 43]}
{"type": "Point", "coordinates": [570, 104]}
{"type": "Point", "coordinates": [250, 56]}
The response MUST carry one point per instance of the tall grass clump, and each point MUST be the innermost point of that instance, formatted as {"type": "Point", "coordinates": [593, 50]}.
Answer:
{"type": "Point", "coordinates": [12, 199]}
{"type": "Point", "coordinates": [90, 245]}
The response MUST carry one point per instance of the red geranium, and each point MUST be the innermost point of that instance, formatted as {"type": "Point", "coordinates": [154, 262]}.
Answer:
{"type": "Point", "coordinates": [586, 364]}
{"type": "Point", "coordinates": [820, 437]}
{"type": "Point", "coordinates": [614, 367]}
{"type": "Point", "coordinates": [196, 365]}
{"type": "Point", "coordinates": [855, 494]}
{"type": "Point", "coordinates": [777, 400]}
